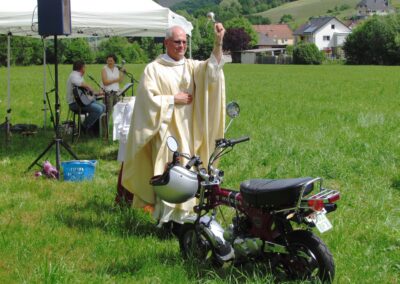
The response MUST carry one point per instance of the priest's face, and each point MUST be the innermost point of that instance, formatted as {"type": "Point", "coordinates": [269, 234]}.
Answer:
{"type": "Point", "coordinates": [176, 44]}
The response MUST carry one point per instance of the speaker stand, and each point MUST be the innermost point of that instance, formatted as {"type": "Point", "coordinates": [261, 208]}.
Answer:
{"type": "Point", "coordinates": [57, 141]}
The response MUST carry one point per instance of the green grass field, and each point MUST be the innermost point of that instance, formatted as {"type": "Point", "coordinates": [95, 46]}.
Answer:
{"type": "Point", "coordinates": [338, 122]}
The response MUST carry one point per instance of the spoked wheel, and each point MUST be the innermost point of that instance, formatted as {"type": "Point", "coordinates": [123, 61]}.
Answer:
{"type": "Point", "coordinates": [309, 258]}
{"type": "Point", "coordinates": [195, 245]}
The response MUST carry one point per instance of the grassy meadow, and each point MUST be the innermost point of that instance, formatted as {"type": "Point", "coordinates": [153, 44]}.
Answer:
{"type": "Point", "coordinates": [338, 122]}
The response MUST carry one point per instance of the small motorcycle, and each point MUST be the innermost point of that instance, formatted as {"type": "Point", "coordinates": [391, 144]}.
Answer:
{"type": "Point", "coordinates": [273, 218]}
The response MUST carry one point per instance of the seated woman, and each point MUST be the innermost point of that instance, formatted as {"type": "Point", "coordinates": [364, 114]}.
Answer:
{"type": "Point", "coordinates": [111, 76]}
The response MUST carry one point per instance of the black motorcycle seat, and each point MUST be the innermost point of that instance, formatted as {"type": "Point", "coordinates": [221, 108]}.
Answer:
{"type": "Point", "coordinates": [273, 192]}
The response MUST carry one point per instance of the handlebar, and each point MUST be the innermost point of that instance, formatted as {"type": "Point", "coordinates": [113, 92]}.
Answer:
{"type": "Point", "coordinates": [239, 140]}
{"type": "Point", "coordinates": [194, 161]}
{"type": "Point", "coordinates": [222, 143]}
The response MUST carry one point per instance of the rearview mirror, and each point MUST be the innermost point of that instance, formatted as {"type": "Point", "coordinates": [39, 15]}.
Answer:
{"type": "Point", "coordinates": [233, 109]}
{"type": "Point", "coordinates": [172, 144]}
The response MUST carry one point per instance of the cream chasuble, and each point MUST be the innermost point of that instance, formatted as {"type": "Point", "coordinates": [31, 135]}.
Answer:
{"type": "Point", "coordinates": [155, 117]}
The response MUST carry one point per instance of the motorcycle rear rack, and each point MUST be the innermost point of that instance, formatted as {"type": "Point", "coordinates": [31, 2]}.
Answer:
{"type": "Point", "coordinates": [325, 195]}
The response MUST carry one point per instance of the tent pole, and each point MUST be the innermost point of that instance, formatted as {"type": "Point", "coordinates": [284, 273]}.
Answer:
{"type": "Point", "coordinates": [8, 118]}
{"type": "Point", "coordinates": [44, 86]}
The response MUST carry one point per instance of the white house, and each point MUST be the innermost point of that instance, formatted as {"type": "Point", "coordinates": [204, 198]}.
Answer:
{"type": "Point", "coordinates": [328, 33]}
{"type": "Point", "coordinates": [367, 8]}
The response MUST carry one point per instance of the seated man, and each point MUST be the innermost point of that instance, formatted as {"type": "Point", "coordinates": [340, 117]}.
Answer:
{"type": "Point", "coordinates": [90, 106]}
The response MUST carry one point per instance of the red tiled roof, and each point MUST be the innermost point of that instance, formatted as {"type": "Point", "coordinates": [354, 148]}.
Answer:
{"type": "Point", "coordinates": [277, 31]}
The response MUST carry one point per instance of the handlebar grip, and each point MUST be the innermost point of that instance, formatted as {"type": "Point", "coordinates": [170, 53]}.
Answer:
{"type": "Point", "coordinates": [194, 161]}
{"type": "Point", "coordinates": [190, 163]}
{"type": "Point", "coordinates": [239, 140]}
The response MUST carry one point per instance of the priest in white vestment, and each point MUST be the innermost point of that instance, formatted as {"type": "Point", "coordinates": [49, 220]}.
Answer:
{"type": "Point", "coordinates": [177, 97]}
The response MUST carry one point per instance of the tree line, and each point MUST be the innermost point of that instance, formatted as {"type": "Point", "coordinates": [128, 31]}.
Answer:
{"type": "Point", "coordinates": [375, 41]}
{"type": "Point", "coordinates": [29, 51]}
{"type": "Point", "coordinates": [235, 14]}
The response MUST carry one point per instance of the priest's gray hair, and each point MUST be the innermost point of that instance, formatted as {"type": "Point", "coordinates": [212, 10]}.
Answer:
{"type": "Point", "coordinates": [168, 33]}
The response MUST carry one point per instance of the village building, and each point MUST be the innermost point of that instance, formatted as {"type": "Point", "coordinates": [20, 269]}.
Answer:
{"type": "Point", "coordinates": [327, 33]}
{"type": "Point", "coordinates": [368, 8]}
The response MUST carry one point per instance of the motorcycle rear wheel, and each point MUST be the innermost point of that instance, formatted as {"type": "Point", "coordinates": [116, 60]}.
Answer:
{"type": "Point", "coordinates": [195, 245]}
{"type": "Point", "coordinates": [309, 258]}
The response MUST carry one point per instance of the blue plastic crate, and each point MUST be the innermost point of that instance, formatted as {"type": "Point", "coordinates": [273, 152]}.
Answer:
{"type": "Point", "coordinates": [78, 170]}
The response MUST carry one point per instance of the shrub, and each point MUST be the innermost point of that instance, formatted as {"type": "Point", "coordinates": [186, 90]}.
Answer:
{"type": "Point", "coordinates": [376, 41]}
{"type": "Point", "coordinates": [286, 18]}
{"type": "Point", "coordinates": [77, 49]}
{"type": "Point", "coordinates": [307, 53]}
{"type": "Point", "coordinates": [289, 49]}
{"type": "Point", "coordinates": [135, 54]}
{"type": "Point", "coordinates": [114, 45]}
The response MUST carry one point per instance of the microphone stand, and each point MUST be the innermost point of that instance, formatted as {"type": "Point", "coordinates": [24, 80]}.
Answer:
{"type": "Point", "coordinates": [130, 75]}
{"type": "Point", "coordinates": [51, 111]}
{"type": "Point", "coordinates": [133, 80]}
{"type": "Point", "coordinates": [106, 94]}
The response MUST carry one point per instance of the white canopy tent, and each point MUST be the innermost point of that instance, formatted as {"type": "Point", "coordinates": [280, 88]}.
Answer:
{"type": "Point", "coordinates": [96, 17]}
{"type": "Point", "coordinates": [89, 18]}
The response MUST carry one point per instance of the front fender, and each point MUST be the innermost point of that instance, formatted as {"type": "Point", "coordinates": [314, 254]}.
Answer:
{"type": "Point", "coordinates": [215, 234]}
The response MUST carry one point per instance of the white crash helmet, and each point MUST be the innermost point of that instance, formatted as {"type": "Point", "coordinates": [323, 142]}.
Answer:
{"type": "Point", "coordinates": [176, 185]}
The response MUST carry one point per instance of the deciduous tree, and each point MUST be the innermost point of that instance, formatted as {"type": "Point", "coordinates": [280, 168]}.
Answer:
{"type": "Point", "coordinates": [241, 22]}
{"type": "Point", "coordinates": [376, 41]}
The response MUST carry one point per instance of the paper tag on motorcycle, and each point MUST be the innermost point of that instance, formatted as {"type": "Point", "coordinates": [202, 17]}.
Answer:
{"type": "Point", "coordinates": [321, 221]}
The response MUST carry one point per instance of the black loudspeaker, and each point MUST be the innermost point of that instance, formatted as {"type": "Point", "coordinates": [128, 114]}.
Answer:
{"type": "Point", "coordinates": [54, 17]}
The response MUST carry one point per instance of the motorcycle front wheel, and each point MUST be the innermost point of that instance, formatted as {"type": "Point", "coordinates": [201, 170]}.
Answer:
{"type": "Point", "coordinates": [194, 244]}
{"type": "Point", "coordinates": [308, 259]}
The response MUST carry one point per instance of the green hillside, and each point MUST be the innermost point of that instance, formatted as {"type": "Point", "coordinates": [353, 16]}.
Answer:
{"type": "Point", "coordinates": [168, 3]}
{"type": "Point", "coordinates": [395, 4]}
{"type": "Point", "coordinates": [302, 10]}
